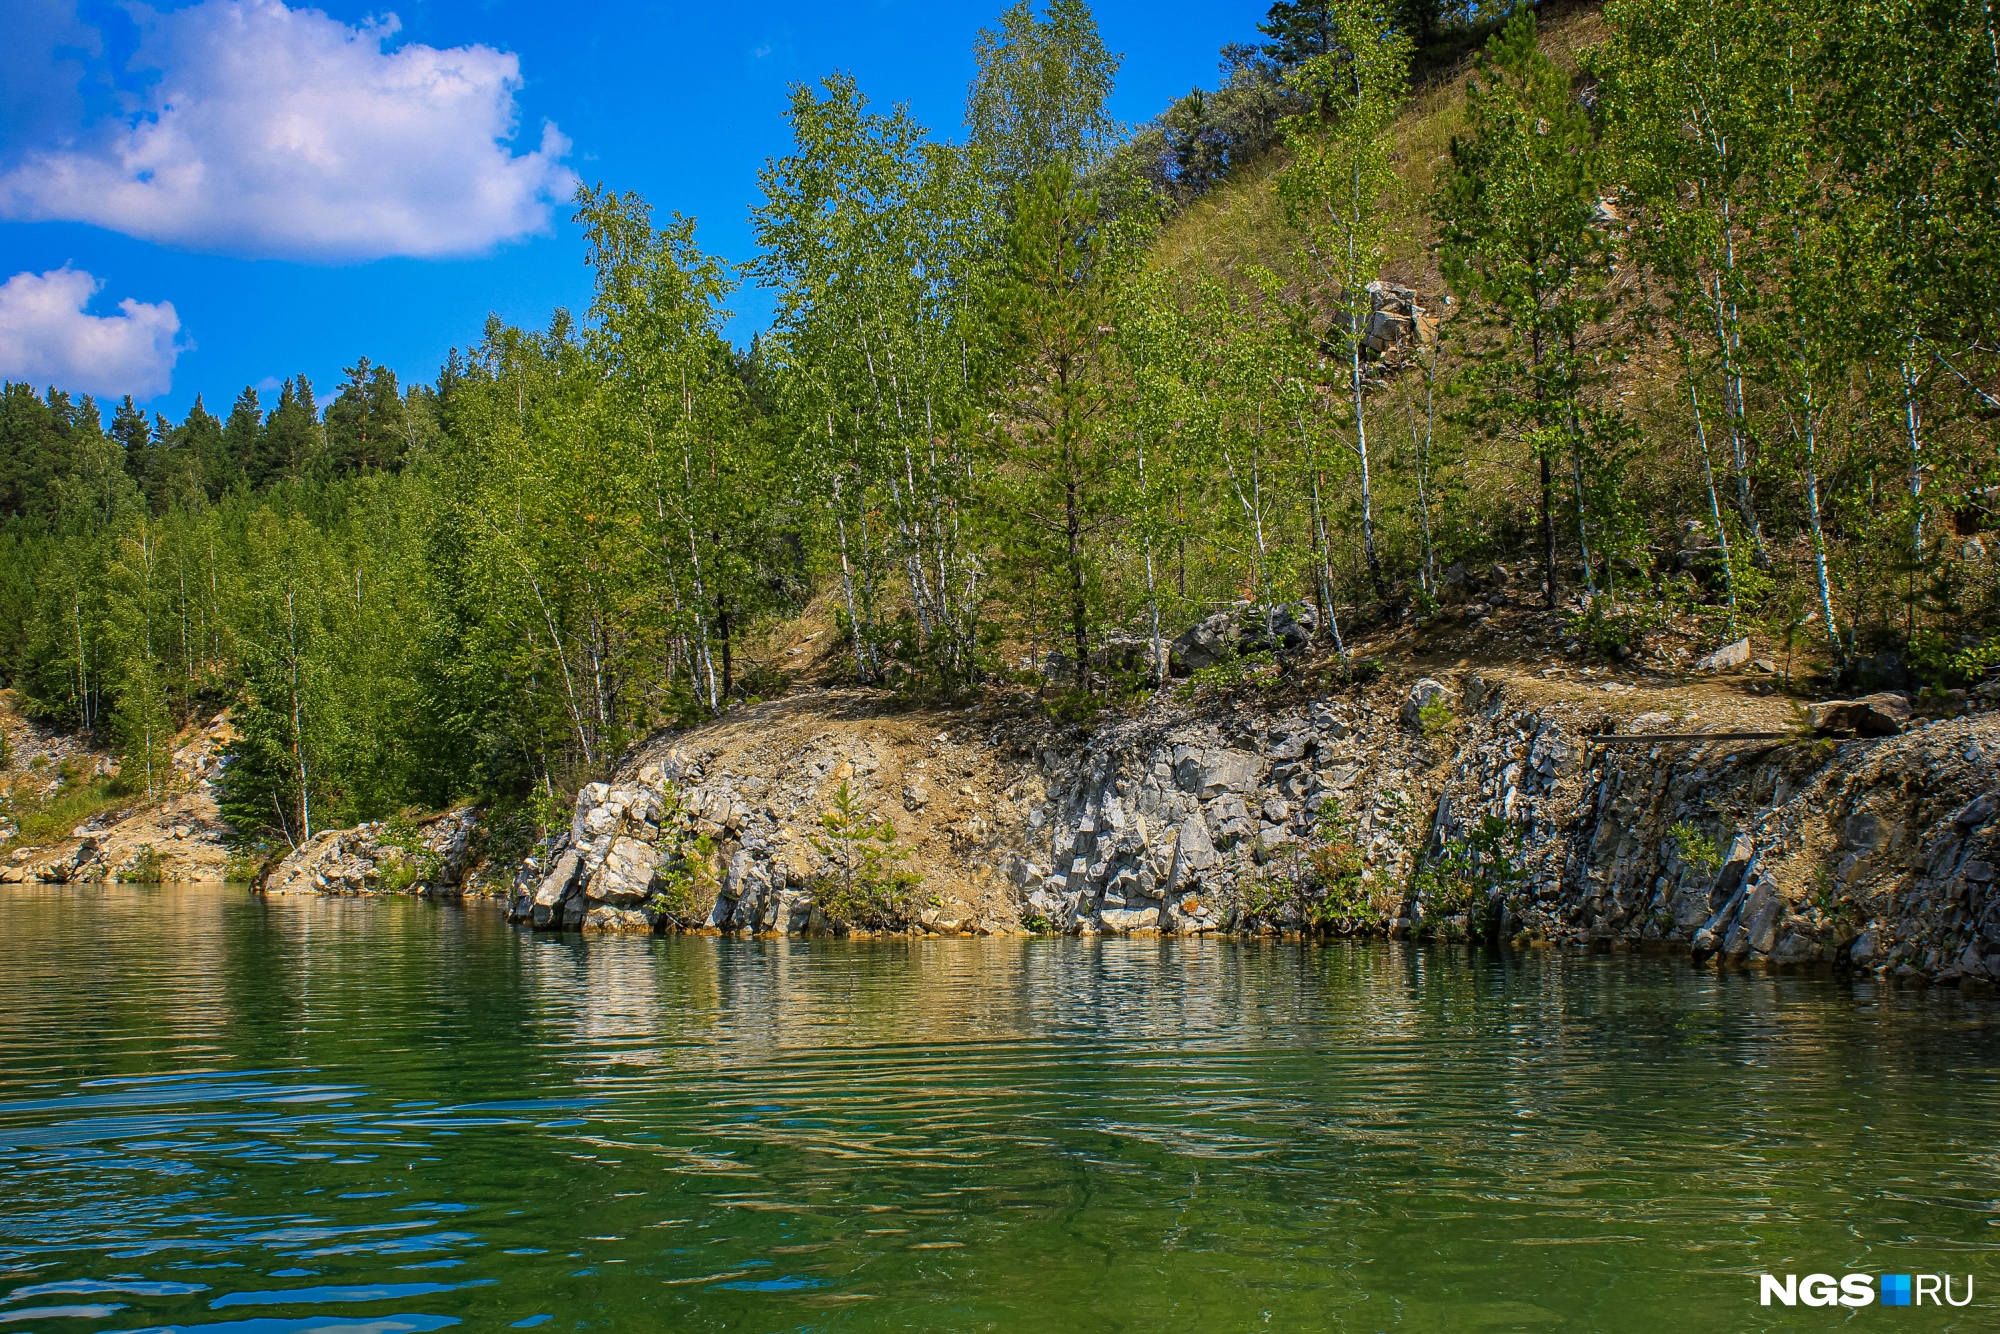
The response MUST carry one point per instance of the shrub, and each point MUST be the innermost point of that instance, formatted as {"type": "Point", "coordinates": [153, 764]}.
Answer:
{"type": "Point", "coordinates": [245, 864]}
{"type": "Point", "coordinates": [863, 883]}
{"type": "Point", "coordinates": [48, 816]}
{"type": "Point", "coordinates": [1696, 850]}
{"type": "Point", "coordinates": [1341, 900]}
{"type": "Point", "coordinates": [1436, 718]}
{"type": "Point", "coordinates": [1472, 876]}
{"type": "Point", "coordinates": [1234, 669]}
{"type": "Point", "coordinates": [689, 878]}
{"type": "Point", "coordinates": [414, 864]}
{"type": "Point", "coordinates": [147, 867]}
{"type": "Point", "coordinates": [689, 882]}
{"type": "Point", "coordinates": [1616, 630]}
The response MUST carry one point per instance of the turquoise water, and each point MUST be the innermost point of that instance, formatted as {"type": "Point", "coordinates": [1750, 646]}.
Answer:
{"type": "Point", "coordinates": [346, 1116]}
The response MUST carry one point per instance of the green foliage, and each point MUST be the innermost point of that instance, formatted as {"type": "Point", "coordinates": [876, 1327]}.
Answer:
{"type": "Point", "coordinates": [1697, 851]}
{"type": "Point", "coordinates": [1320, 884]}
{"type": "Point", "coordinates": [415, 864]}
{"type": "Point", "coordinates": [1038, 97]}
{"type": "Point", "coordinates": [246, 863]}
{"type": "Point", "coordinates": [689, 882]}
{"type": "Point", "coordinates": [1340, 899]}
{"type": "Point", "coordinates": [1938, 663]}
{"type": "Point", "coordinates": [1615, 630]}
{"type": "Point", "coordinates": [689, 874]}
{"type": "Point", "coordinates": [1437, 718]}
{"type": "Point", "coordinates": [46, 811]}
{"type": "Point", "coordinates": [147, 867]}
{"type": "Point", "coordinates": [1470, 877]}
{"type": "Point", "coordinates": [1079, 708]}
{"type": "Point", "coordinates": [1518, 219]}
{"type": "Point", "coordinates": [1733, 265]}
{"type": "Point", "coordinates": [864, 883]}
{"type": "Point", "coordinates": [1232, 670]}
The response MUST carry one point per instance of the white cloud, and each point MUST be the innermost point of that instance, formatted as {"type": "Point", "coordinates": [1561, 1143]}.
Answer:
{"type": "Point", "coordinates": [46, 338]}
{"type": "Point", "coordinates": [282, 132]}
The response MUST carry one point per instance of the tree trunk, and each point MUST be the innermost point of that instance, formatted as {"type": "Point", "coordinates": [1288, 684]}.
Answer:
{"type": "Point", "coordinates": [1367, 483]}
{"type": "Point", "coordinates": [1714, 504]}
{"type": "Point", "coordinates": [1079, 611]}
{"type": "Point", "coordinates": [847, 575]}
{"type": "Point", "coordinates": [1818, 533]}
{"type": "Point", "coordinates": [723, 627]}
{"type": "Point", "coordinates": [1548, 532]}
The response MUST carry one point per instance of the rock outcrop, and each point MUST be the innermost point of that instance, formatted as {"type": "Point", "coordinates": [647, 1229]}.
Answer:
{"type": "Point", "coordinates": [1872, 715]}
{"type": "Point", "coordinates": [1286, 628]}
{"type": "Point", "coordinates": [428, 856]}
{"type": "Point", "coordinates": [178, 836]}
{"type": "Point", "coordinates": [1875, 852]}
{"type": "Point", "coordinates": [715, 831]}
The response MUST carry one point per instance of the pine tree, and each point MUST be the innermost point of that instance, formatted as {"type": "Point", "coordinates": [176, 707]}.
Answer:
{"type": "Point", "coordinates": [1300, 30]}
{"type": "Point", "coordinates": [242, 438]}
{"type": "Point", "coordinates": [365, 428]}
{"type": "Point", "coordinates": [1051, 310]}
{"type": "Point", "coordinates": [205, 450]}
{"type": "Point", "coordinates": [291, 443]}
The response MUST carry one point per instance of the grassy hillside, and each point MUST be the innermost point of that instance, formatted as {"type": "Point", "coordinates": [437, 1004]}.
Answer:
{"type": "Point", "coordinates": [1487, 485]}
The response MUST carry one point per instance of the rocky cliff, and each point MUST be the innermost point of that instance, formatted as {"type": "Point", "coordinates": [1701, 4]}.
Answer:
{"type": "Point", "coordinates": [178, 835]}
{"type": "Point", "coordinates": [1225, 814]}
{"type": "Point", "coordinates": [428, 856]}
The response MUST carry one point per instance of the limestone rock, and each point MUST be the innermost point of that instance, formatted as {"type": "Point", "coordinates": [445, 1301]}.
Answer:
{"type": "Point", "coordinates": [627, 876]}
{"type": "Point", "coordinates": [1210, 772]}
{"type": "Point", "coordinates": [430, 856]}
{"type": "Point", "coordinates": [604, 919]}
{"type": "Point", "coordinates": [1129, 919]}
{"type": "Point", "coordinates": [1726, 657]}
{"type": "Point", "coordinates": [1194, 852]}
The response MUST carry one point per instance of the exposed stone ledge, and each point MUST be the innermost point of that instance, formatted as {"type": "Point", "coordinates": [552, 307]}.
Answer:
{"type": "Point", "coordinates": [1873, 853]}
{"type": "Point", "coordinates": [430, 856]}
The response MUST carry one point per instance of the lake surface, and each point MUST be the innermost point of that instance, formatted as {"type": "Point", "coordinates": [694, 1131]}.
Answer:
{"type": "Point", "coordinates": [362, 1117]}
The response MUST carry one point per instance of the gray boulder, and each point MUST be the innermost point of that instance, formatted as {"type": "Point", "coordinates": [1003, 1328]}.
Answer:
{"type": "Point", "coordinates": [1726, 657]}
{"type": "Point", "coordinates": [1872, 715]}
{"type": "Point", "coordinates": [1282, 629]}
{"type": "Point", "coordinates": [1194, 852]}
{"type": "Point", "coordinates": [1203, 645]}
{"type": "Point", "coordinates": [1123, 920]}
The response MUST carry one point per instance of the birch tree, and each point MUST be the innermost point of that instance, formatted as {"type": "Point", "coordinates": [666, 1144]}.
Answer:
{"type": "Point", "coordinates": [1333, 194]}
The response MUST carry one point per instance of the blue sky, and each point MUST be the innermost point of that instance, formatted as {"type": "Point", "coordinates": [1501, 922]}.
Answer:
{"type": "Point", "coordinates": [196, 197]}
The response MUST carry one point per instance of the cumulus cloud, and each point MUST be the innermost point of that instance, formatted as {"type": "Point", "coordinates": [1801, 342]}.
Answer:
{"type": "Point", "coordinates": [48, 338]}
{"type": "Point", "coordinates": [271, 131]}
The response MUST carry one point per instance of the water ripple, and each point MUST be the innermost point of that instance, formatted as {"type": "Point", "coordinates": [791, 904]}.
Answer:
{"type": "Point", "coordinates": [291, 1107]}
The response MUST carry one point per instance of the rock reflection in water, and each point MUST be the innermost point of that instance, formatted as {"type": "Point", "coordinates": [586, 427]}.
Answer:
{"type": "Point", "coordinates": [404, 1115]}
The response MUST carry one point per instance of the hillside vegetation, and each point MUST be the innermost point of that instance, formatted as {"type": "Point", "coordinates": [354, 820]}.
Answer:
{"type": "Point", "coordinates": [1682, 309]}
